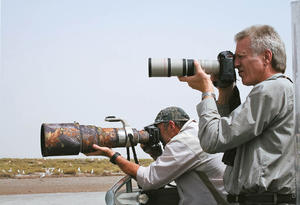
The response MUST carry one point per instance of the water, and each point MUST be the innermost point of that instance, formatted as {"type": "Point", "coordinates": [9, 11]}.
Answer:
{"type": "Point", "coordinates": [79, 198]}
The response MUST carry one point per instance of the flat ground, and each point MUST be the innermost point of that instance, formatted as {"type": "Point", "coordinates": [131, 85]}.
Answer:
{"type": "Point", "coordinates": [57, 184]}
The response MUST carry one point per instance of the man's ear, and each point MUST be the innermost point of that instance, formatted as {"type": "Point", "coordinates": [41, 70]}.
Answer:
{"type": "Point", "coordinates": [172, 124]}
{"type": "Point", "coordinates": [268, 56]}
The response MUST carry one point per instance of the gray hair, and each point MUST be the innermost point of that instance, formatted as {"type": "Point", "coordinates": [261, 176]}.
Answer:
{"type": "Point", "coordinates": [263, 37]}
{"type": "Point", "coordinates": [179, 124]}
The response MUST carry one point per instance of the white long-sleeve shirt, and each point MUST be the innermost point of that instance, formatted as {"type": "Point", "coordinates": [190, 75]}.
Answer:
{"type": "Point", "coordinates": [184, 161]}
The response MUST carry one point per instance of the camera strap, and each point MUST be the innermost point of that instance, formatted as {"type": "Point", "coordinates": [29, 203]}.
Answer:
{"type": "Point", "coordinates": [283, 76]}
{"type": "Point", "coordinates": [234, 102]}
{"type": "Point", "coordinates": [130, 136]}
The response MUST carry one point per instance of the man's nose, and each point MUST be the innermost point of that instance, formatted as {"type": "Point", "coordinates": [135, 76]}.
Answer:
{"type": "Point", "coordinates": [236, 63]}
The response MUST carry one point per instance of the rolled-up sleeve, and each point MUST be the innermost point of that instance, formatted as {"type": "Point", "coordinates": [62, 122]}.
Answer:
{"type": "Point", "coordinates": [176, 159]}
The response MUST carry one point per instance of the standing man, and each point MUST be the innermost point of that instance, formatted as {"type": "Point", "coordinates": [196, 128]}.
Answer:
{"type": "Point", "coordinates": [182, 160]}
{"type": "Point", "coordinates": [261, 130]}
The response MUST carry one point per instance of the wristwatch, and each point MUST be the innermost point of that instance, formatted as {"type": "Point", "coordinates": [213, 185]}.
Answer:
{"type": "Point", "coordinates": [204, 94]}
{"type": "Point", "coordinates": [114, 157]}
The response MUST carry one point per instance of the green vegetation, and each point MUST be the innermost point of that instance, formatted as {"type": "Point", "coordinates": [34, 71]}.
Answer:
{"type": "Point", "coordinates": [12, 167]}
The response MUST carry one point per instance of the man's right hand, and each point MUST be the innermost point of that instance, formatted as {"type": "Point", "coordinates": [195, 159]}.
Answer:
{"type": "Point", "coordinates": [153, 150]}
{"type": "Point", "coordinates": [224, 93]}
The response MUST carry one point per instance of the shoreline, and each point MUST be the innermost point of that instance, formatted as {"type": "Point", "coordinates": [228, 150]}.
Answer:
{"type": "Point", "coordinates": [36, 185]}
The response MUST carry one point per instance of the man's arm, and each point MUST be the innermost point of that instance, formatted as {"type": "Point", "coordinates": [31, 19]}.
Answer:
{"type": "Point", "coordinates": [218, 134]}
{"type": "Point", "coordinates": [165, 169]}
{"type": "Point", "coordinates": [126, 166]}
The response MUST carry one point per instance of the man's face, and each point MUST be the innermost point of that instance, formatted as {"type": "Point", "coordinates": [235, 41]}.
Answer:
{"type": "Point", "coordinates": [249, 65]}
{"type": "Point", "coordinates": [165, 134]}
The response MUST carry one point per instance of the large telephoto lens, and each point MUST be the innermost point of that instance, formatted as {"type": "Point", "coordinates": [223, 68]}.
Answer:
{"type": "Point", "coordinates": [167, 67]}
{"type": "Point", "coordinates": [71, 138]}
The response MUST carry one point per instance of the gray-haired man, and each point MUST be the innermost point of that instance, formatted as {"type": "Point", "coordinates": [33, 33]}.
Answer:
{"type": "Point", "coordinates": [261, 129]}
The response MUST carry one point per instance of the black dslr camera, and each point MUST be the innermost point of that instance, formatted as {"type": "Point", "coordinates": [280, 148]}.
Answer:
{"type": "Point", "coordinates": [154, 134]}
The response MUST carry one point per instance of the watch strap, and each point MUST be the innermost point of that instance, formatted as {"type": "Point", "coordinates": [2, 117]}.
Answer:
{"type": "Point", "coordinates": [114, 157]}
{"type": "Point", "coordinates": [205, 94]}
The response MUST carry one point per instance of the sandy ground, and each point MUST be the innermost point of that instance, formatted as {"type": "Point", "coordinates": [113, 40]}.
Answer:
{"type": "Point", "coordinates": [55, 185]}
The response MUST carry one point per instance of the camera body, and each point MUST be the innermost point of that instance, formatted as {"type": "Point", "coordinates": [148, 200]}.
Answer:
{"type": "Point", "coordinates": [154, 134]}
{"type": "Point", "coordinates": [167, 67]}
{"type": "Point", "coordinates": [226, 74]}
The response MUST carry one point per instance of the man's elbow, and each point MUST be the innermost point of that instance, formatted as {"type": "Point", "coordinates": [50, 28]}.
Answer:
{"type": "Point", "coordinates": [208, 148]}
{"type": "Point", "coordinates": [208, 139]}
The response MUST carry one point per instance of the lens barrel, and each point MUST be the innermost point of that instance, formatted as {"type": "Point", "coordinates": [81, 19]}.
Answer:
{"type": "Point", "coordinates": [167, 67]}
{"type": "Point", "coordinates": [72, 138]}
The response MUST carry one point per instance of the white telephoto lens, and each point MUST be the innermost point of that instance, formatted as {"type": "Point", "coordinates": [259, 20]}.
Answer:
{"type": "Point", "coordinates": [167, 67]}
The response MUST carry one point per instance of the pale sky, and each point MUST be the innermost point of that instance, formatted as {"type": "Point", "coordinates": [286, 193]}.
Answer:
{"type": "Point", "coordinates": [82, 60]}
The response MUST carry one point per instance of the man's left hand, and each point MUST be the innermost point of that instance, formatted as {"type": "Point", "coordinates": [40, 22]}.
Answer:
{"type": "Point", "coordinates": [102, 151]}
{"type": "Point", "coordinates": [200, 81]}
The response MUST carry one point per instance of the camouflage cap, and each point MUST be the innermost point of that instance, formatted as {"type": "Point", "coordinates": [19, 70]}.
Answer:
{"type": "Point", "coordinates": [171, 113]}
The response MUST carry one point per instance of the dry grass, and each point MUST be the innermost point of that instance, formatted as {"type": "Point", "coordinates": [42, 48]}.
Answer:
{"type": "Point", "coordinates": [13, 168]}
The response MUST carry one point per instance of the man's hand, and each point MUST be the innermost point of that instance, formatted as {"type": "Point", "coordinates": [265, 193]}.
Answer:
{"type": "Point", "coordinates": [200, 81]}
{"type": "Point", "coordinates": [102, 151]}
{"type": "Point", "coordinates": [154, 150]}
{"type": "Point", "coordinates": [224, 93]}
{"type": "Point", "coordinates": [126, 166]}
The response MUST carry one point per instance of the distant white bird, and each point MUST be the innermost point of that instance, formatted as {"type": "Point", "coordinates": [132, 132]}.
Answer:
{"type": "Point", "coordinates": [47, 171]}
{"type": "Point", "coordinates": [10, 170]}
{"type": "Point", "coordinates": [42, 175]}
{"type": "Point", "coordinates": [23, 172]}
{"type": "Point", "coordinates": [92, 171]}
{"type": "Point", "coordinates": [78, 169]}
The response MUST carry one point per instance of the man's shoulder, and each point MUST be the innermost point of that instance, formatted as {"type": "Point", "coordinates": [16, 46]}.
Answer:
{"type": "Point", "coordinates": [272, 86]}
{"type": "Point", "coordinates": [188, 132]}
{"type": "Point", "coordinates": [189, 138]}
{"type": "Point", "coordinates": [186, 137]}
{"type": "Point", "coordinates": [275, 81]}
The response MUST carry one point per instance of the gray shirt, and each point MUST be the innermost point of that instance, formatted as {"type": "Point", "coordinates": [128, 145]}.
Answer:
{"type": "Point", "coordinates": [184, 161]}
{"type": "Point", "coordinates": [262, 130]}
